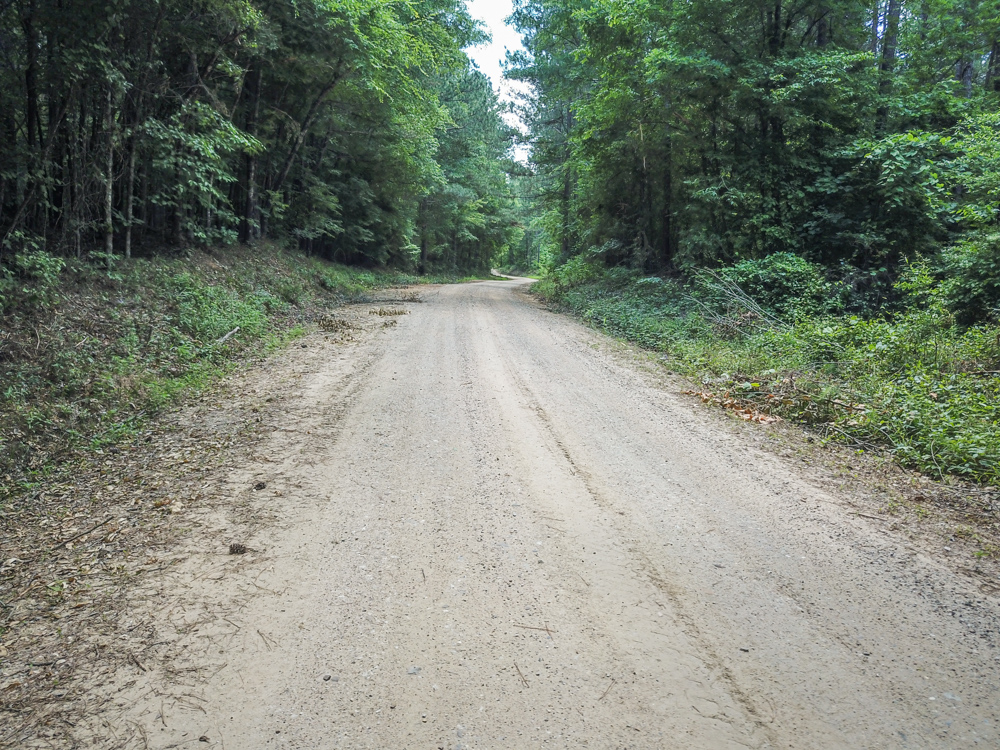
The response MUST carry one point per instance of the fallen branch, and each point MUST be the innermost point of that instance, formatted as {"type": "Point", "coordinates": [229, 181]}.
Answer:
{"type": "Point", "coordinates": [83, 533]}
{"type": "Point", "coordinates": [613, 683]}
{"type": "Point", "coordinates": [865, 515]}
{"type": "Point", "coordinates": [546, 629]}
{"type": "Point", "coordinates": [226, 338]}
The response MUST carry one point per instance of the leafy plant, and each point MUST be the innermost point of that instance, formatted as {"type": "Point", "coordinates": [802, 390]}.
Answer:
{"type": "Point", "coordinates": [971, 271]}
{"type": "Point", "coordinates": [786, 285]}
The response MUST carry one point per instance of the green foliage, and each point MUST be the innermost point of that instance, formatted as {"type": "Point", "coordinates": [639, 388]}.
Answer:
{"type": "Point", "coordinates": [205, 313]}
{"type": "Point", "coordinates": [31, 279]}
{"type": "Point", "coordinates": [576, 271]}
{"type": "Point", "coordinates": [971, 271]}
{"type": "Point", "coordinates": [685, 136]}
{"type": "Point", "coordinates": [356, 129]}
{"type": "Point", "coordinates": [189, 151]}
{"type": "Point", "coordinates": [466, 217]}
{"type": "Point", "coordinates": [786, 285]}
{"type": "Point", "coordinates": [976, 168]}
{"type": "Point", "coordinates": [904, 176]}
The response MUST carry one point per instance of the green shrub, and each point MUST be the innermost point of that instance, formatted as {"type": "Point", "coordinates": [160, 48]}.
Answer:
{"type": "Point", "coordinates": [32, 278]}
{"type": "Point", "coordinates": [208, 313]}
{"type": "Point", "coordinates": [971, 286]}
{"type": "Point", "coordinates": [577, 271]}
{"type": "Point", "coordinates": [785, 285]}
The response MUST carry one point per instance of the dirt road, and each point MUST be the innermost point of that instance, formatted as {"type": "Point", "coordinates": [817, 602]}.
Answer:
{"type": "Point", "coordinates": [486, 529]}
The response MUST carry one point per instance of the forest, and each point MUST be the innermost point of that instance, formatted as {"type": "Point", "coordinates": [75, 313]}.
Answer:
{"type": "Point", "coordinates": [673, 136]}
{"type": "Point", "coordinates": [172, 171]}
{"type": "Point", "coordinates": [357, 130]}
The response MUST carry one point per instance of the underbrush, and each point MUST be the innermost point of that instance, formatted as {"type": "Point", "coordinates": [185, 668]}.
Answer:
{"type": "Point", "coordinates": [86, 355]}
{"type": "Point", "coordinates": [914, 380]}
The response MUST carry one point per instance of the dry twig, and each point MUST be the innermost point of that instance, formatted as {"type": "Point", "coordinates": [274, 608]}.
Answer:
{"type": "Point", "coordinates": [520, 674]}
{"type": "Point", "coordinates": [613, 683]}
{"type": "Point", "coordinates": [546, 629]}
{"type": "Point", "coordinates": [83, 533]}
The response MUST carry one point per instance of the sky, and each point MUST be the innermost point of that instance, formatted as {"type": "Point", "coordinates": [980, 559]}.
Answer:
{"type": "Point", "coordinates": [489, 57]}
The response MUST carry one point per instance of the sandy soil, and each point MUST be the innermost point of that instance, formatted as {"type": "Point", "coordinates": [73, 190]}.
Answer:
{"type": "Point", "coordinates": [478, 525]}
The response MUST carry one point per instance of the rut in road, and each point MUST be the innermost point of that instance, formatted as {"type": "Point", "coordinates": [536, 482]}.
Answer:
{"type": "Point", "coordinates": [490, 530]}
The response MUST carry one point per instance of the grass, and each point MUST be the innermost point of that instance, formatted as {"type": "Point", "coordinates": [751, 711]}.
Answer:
{"type": "Point", "coordinates": [87, 356]}
{"type": "Point", "coordinates": [913, 381]}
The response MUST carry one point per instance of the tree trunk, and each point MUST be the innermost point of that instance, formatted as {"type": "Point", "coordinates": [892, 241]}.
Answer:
{"type": "Point", "coordinates": [876, 26]}
{"type": "Point", "coordinates": [774, 36]}
{"type": "Point", "coordinates": [303, 132]}
{"type": "Point", "coordinates": [248, 224]}
{"type": "Point", "coordinates": [129, 198]}
{"type": "Point", "coordinates": [567, 191]}
{"type": "Point", "coordinates": [31, 75]}
{"type": "Point", "coordinates": [666, 211]}
{"type": "Point", "coordinates": [30, 190]}
{"type": "Point", "coordinates": [963, 72]}
{"type": "Point", "coordinates": [144, 220]}
{"type": "Point", "coordinates": [888, 63]}
{"type": "Point", "coordinates": [130, 176]}
{"type": "Point", "coordinates": [8, 163]}
{"type": "Point", "coordinates": [993, 69]}
{"type": "Point", "coordinates": [109, 178]}
{"type": "Point", "coordinates": [32, 120]}
{"type": "Point", "coordinates": [75, 185]}
{"type": "Point", "coordinates": [822, 24]}
{"type": "Point", "coordinates": [422, 269]}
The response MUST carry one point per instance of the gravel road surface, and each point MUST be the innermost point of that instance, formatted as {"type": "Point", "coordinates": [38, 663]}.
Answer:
{"type": "Point", "coordinates": [490, 529]}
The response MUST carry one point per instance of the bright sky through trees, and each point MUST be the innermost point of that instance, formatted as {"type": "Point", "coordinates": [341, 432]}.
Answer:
{"type": "Point", "coordinates": [489, 57]}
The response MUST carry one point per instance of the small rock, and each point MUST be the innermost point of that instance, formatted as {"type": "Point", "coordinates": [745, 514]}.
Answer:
{"type": "Point", "coordinates": [327, 677]}
{"type": "Point", "coordinates": [260, 486]}
{"type": "Point", "coordinates": [413, 670]}
{"type": "Point", "coordinates": [203, 738]}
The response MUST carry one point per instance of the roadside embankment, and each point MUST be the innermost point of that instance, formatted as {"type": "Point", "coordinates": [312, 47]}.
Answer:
{"type": "Point", "coordinates": [87, 354]}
